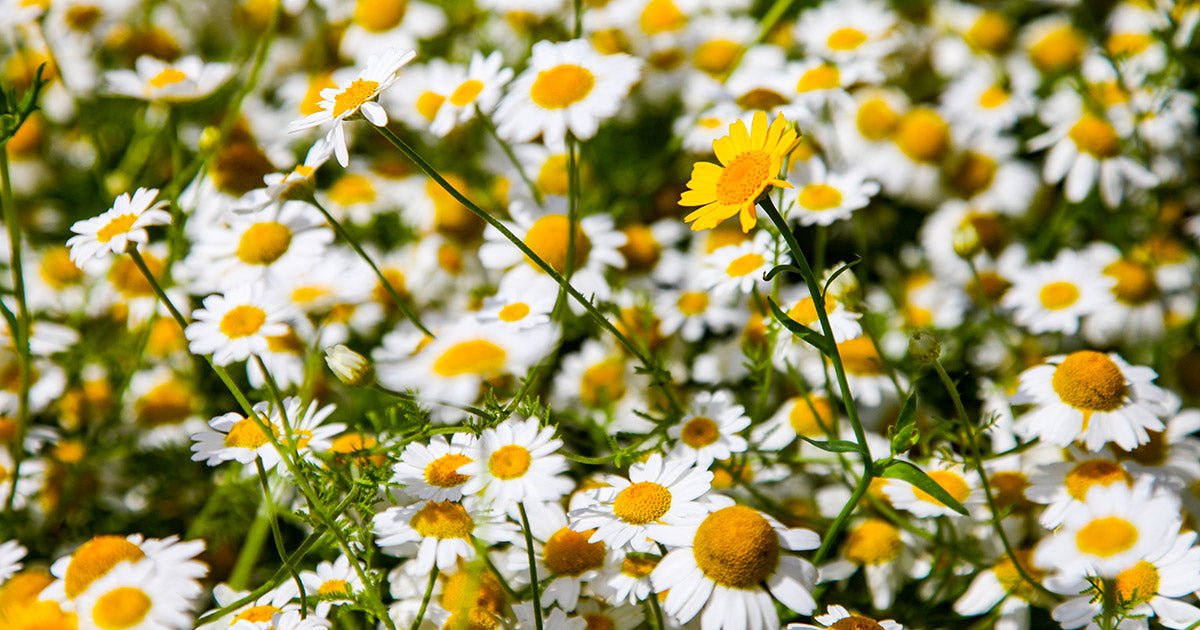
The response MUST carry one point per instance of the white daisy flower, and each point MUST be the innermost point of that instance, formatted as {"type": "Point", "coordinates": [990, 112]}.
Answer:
{"type": "Point", "coordinates": [568, 87]}
{"type": "Point", "coordinates": [173, 562]}
{"type": "Point", "coordinates": [133, 596]}
{"type": "Point", "coordinates": [635, 513]}
{"type": "Point", "coordinates": [821, 196]}
{"type": "Point", "coordinates": [722, 564]}
{"type": "Point", "coordinates": [711, 432]}
{"type": "Point", "coordinates": [866, 372]}
{"type": "Point", "coordinates": [735, 270]}
{"type": "Point", "coordinates": [341, 102]}
{"type": "Point", "coordinates": [237, 438]}
{"type": "Point", "coordinates": [236, 325]}
{"type": "Point", "coordinates": [789, 348]}
{"type": "Point", "coordinates": [566, 559]}
{"type": "Point", "coordinates": [333, 582]}
{"type": "Point", "coordinates": [1002, 588]}
{"type": "Point", "coordinates": [961, 484]}
{"type": "Point", "coordinates": [125, 222]}
{"type": "Point", "coordinates": [282, 187]}
{"type": "Point", "coordinates": [478, 86]}
{"type": "Point", "coordinates": [1063, 486]}
{"type": "Point", "coordinates": [627, 577]}
{"type": "Point", "coordinates": [691, 311]}
{"type": "Point", "coordinates": [439, 533]}
{"type": "Point", "coordinates": [521, 306]}
{"type": "Point", "coordinates": [430, 472]}
{"type": "Point", "coordinates": [515, 462]}
{"type": "Point", "coordinates": [848, 30]}
{"type": "Point", "coordinates": [812, 416]}
{"type": "Point", "coordinates": [837, 617]}
{"type": "Point", "coordinates": [267, 612]}
{"type": "Point", "coordinates": [1092, 398]}
{"type": "Point", "coordinates": [11, 553]}
{"type": "Point", "coordinates": [887, 556]}
{"type": "Point", "coordinates": [152, 79]}
{"type": "Point", "coordinates": [1054, 296]}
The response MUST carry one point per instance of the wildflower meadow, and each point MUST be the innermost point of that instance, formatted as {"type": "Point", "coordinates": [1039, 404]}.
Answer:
{"type": "Point", "coordinates": [599, 314]}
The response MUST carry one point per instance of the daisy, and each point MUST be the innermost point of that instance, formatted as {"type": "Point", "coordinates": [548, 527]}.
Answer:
{"type": "Point", "coordinates": [711, 432]}
{"type": "Point", "coordinates": [749, 164]}
{"type": "Point", "coordinates": [691, 312]}
{"type": "Point", "coordinates": [173, 563]}
{"type": "Point", "coordinates": [523, 307]}
{"type": "Point", "coordinates": [627, 577]}
{"type": "Point", "coordinates": [1137, 313]}
{"type": "Point", "coordinates": [1053, 43]}
{"type": "Point", "coordinates": [1116, 527]}
{"type": "Point", "coordinates": [981, 100]}
{"type": "Point", "coordinates": [11, 553]}
{"type": "Point", "coordinates": [516, 462]}
{"type": "Point", "coordinates": [866, 372]}
{"type": "Point", "coordinates": [439, 533]}
{"type": "Point", "coordinates": [1054, 296]}
{"type": "Point", "coordinates": [237, 438]}
{"type": "Point", "coordinates": [961, 484]}
{"type": "Point", "coordinates": [339, 103]}
{"type": "Point", "coordinates": [431, 472]}
{"type": "Point", "coordinates": [236, 325]}
{"type": "Point", "coordinates": [568, 87]}
{"type": "Point", "coordinates": [635, 513]}
{"type": "Point", "coordinates": [1002, 588]}
{"type": "Point", "coordinates": [736, 270]}
{"type": "Point", "coordinates": [125, 222]}
{"type": "Point", "coordinates": [733, 565]}
{"type": "Point", "coordinates": [1063, 486]}
{"type": "Point", "coordinates": [824, 196]}
{"type": "Point", "coordinates": [478, 88]}
{"type": "Point", "coordinates": [133, 596]}
{"type": "Point", "coordinates": [837, 617]}
{"type": "Point", "coordinates": [812, 416]}
{"type": "Point", "coordinates": [333, 582]}
{"type": "Point", "coordinates": [1090, 397]}
{"type": "Point", "coordinates": [261, 613]}
{"type": "Point", "coordinates": [848, 30]}
{"type": "Point", "coordinates": [281, 187]}
{"type": "Point", "coordinates": [152, 79]}
{"type": "Point", "coordinates": [789, 348]}
{"type": "Point", "coordinates": [888, 556]}
{"type": "Point", "coordinates": [566, 558]}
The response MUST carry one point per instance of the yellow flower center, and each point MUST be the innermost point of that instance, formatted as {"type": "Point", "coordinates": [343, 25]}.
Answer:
{"type": "Point", "coordinates": [547, 237]}
{"type": "Point", "coordinates": [661, 16]}
{"type": "Point", "coordinates": [1152, 453]}
{"type": "Point", "coordinates": [334, 587]}
{"type": "Point", "coordinates": [603, 383]}
{"type": "Point", "coordinates": [822, 77]}
{"type": "Point", "coordinates": [1089, 381]}
{"type": "Point", "coordinates": [562, 86]}
{"type": "Point", "coordinates": [1094, 472]}
{"type": "Point", "coordinates": [1138, 584]}
{"type": "Point", "coordinates": [1058, 50]}
{"type": "Point", "coordinates": [1095, 136]}
{"type": "Point", "coordinates": [993, 97]}
{"type": "Point", "coordinates": [350, 189]}
{"type": "Point", "coordinates": [642, 502]}
{"type": "Point", "coordinates": [1058, 295]}
{"type": "Point", "coordinates": [638, 567]}
{"type": "Point", "coordinates": [509, 462]}
{"type": "Point", "coordinates": [950, 481]}
{"type": "Point", "coordinates": [873, 542]}
{"type": "Point", "coordinates": [57, 269]}
{"type": "Point", "coordinates": [1128, 44]}
{"type": "Point", "coordinates": [121, 608]}
{"type": "Point", "coordinates": [476, 356]}
{"type": "Point", "coordinates": [95, 558]}
{"type": "Point", "coordinates": [744, 265]}
{"type": "Point", "coordinates": [876, 119]}
{"type": "Point", "coordinates": [1009, 489]}
{"type": "Point", "coordinates": [744, 178]}
{"type": "Point", "coordinates": [700, 432]}
{"type": "Point", "coordinates": [247, 434]}
{"type": "Point", "coordinates": [692, 302]}
{"type": "Point", "coordinates": [1106, 537]}
{"type": "Point", "coordinates": [442, 520]}
{"type": "Point", "coordinates": [358, 92]}
{"type": "Point", "coordinates": [472, 588]}
{"type": "Point", "coordinates": [860, 357]}
{"type": "Point", "coordinates": [82, 17]}
{"type": "Point", "coordinates": [972, 173]}
{"type": "Point", "coordinates": [443, 471]}
{"type": "Point", "coordinates": [568, 552]}
{"type": "Point", "coordinates": [598, 621]}
{"type": "Point", "coordinates": [264, 243]}
{"type": "Point", "coordinates": [168, 403]}
{"type": "Point", "coordinates": [242, 320]}
{"type": "Point", "coordinates": [922, 135]}
{"type": "Point", "coordinates": [428, 104]}
{"type": "Point", "coordinates": [514, 312]}
{"type": "Point", "coordinates": [818, 197]}
{"type": "Point", "coordinates": [118, 225]}
{"type": "Point", "coordinates": [736, 547]}
{"type": "Point", "coordinates": [715, 57]}
{"type": "Point", "coordinates": [167, 77]}
{"type": "Point", "coordinates": [803, 419]}
{"type": "Point", "coordinates": [378, 16]}
{"type": "Point", "coordinates": [761, 99]}
{"type": "Point", "coordinates": [991, 32]}
{"type": "Point", "coordinates": [855, 622]}
{"type": "Point", "coordinates": [1135, 282]}
{"type": "Point", "coordinates": [257, 614]}
{"type": "Point", "coordinates": [846, 39]}
{"type": "Point", "coordinates": [466, 93]}
{"type": "Point", "coordinates": [1009, 578]}
{"type": "Point", "coordinates": [552, 177]}
{"type": "Point", "coordinates": [311, 103]}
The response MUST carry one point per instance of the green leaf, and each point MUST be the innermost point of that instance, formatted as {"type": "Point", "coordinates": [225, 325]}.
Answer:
{"type": "Point", "coordinates": [904, 435]}
{"type": "Point", "coordinates": [908, 471]}
{"type": "Point", "coordinates": [833, 446]}
{"type": "Point", "coordinates": [777, 269]}
{"type": "Point", "coordinates": [840, 270]}
{"type": "Point", "coordinates": [814, 338]}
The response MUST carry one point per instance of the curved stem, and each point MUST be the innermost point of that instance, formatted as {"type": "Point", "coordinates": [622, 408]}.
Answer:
{"type": "Point", "coordinates": [433, 575]}
{"type": "Point", "coordinates": [533, 577]}
{"type": "Point", "coordinates": [273, 519]}
{"type": "Point", "coordinates": [19, 333]}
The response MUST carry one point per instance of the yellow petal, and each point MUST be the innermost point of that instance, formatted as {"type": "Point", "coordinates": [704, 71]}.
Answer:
{"type": "Point", "coordinates": [748, 217]}
{"type": "Point", "coordinates": [723, 148]}
{"type": "Point", "coordinates": [758, 131]}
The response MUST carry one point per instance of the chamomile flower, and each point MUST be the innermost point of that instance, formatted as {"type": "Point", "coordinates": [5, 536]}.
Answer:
{"type": "Point", "coordinates": [1090, 397]}
{"type": "Point", "coordinates": [789, 348]}
{"type": "Point", "coordinates": [735, 270]}
{"type": "Point", "coordinates": [566, 558]}
{"type": "Point", "coordinates": [866, 372]}
{"type": "Point", "coordinates": [1001, 587]}
{"type": "Point", "coordinates": [711, 432]}
{"type": "Point", "coordinates": [1054, 296]}
{"type": "Point", "coordinates": [516, 462]}
{"type": "Point", "coordinates": [568, 87]}
{"type": "Point", "coordinates": [281, 187]}
{"type": "Point", "coordinates": [237, 324]}
{"type": "Point", "coordinates": [152, 79]}
{"type": "Point", "coordinates": [810, 416]}
{"type": "Point", "coordinates": [691, 311]}
{"type": "Point", "coordinates": [633, 513]}
{"type": "Point", "coordinates": [111, 232]}
{"type": "Point", "coordinates": [734, 564]}
{"type": "Point", "coordinates": [961, 484]}
{"type": "Point", "coordinates": [133, 596]}
{"type": "Point", "coordinates": [1063, 486]}
{"type": "Point", "coordinates": [478, 87]}
{"type": "Point", "coordinates": [430, 472]}
{"type": "Point", "coordinates": [837, 617]}
{"type": "Point", "coordinates": [848, 30]}
{"type": "Point", "coordinates": [341, 102]}
{"type": "Point", "coordinates": [234, 437]}
{"type": "Point", "coordinates": [823, 196]}
{"type": "Point", "coordinates": [749, 164]}
{"type": "Point", "coordinates": [439, 533]}
{"type": "Point", "coordinates": [172, 561]}
{"type": "Point", "coordinates": [333, 582]}
{"type": "Point", "coordinates": [627, 578]}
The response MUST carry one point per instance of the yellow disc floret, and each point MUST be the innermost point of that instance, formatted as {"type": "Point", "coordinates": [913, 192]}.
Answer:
{"type": "Point", "coordinates": [700, 431]}
{"type": "Point", "coordinates": [443, 471]}
{"type": "Point", "coordinates": [1106, 536]}
{"type": "Point", "coordinates": [1094, 472]}
{"type": "Point", "coordinates": [94, 558]}
{"type": "Point", "coordinates": [1138, 584]}
{"type": "Point", "coordinates": [562, 86]}
{"type": "Point", "coordinates": [509, 462]}
{"type": "Point", "coordinates": [121, 608]}
{"type": "Point", "coordinates": [1089, 381]}
{"type": "Point", "coordinates": [736, 547]}
{"type": "Point", "coordinates": [642, 502]}
{"type": "Point", "coordinates": [874, 541]}
{"type": "Point", "coordinates": [475, 356]}
{"type": "Point", "coordinates": [568, 552]}
{"type": "Point", "coordinates": [442, 520]}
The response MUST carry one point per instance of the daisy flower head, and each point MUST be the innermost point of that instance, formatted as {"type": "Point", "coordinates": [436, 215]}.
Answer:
{"type": "Point", "coordinates": [172, 562]}
{"type": "Point", "coordinates": [479, 86]}
{"type": "Point", "coordinates": [515, 462]}
{"type": "Point", "coordinates": [1053, 296]}
{"type": "Point", "coordinates": [568, 559]}
{"type": "Point", "coordinates": [333, 582]}
{"type": "Point", "coordinates": [1062, 486]}
{"type": "Point", "coordinates": [961, 484]}
{"type": "Point", "coordinates": [735, 270]}
{"type": "Point", "coordinates": [1090, 397]}
{"type": "Point", "coordinates": [711, 432]}
{"type": "Point", "coordinates": [294, 185]}
{"type": "Point", "coordinates": [733, 564]}
{"type": "Point", "coordinates": [430, 472]}
{"type": "Point", "coordinates": [1114, 528]}
{"type": "Point", "coordinates": [152, 79]}
{"type": "Point", "coordinates": [568, 87]}
{"type": "Point", "coordinates": [439, 533]}
{"type": "Point", "coordinates": [826, 196]}
{"type": "Point", "coordinates": [237, 324]}
{"type": "Point", "coordinates": [234, 437]}
{"type": "Point", "coordinates": [133, 596]}
{"type": "Point", "coordinates": [848, 30]}
{"type": "Point", "coordinates": [635, 512]}
{"type": "Point", "coordinates": [339, 103]}
{"type": "Point", "coordinates": [111, 232]}
{"type": "Point", "coordinates": [1002, 587]}
{"type": "Point", "coordinates": [838, 618]}
{"type": "Point", "coordinates": [749, 164]}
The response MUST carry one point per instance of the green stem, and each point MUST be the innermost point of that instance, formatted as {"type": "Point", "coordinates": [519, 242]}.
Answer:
{"type": "Point", "coordinates": [387, 286]}
{"type": "Point", "coordinates": [533, 577]}
{"type": "Point", "coordinates": [251, 549]}
{"type": "Point", "coordinates": [273, 519]}
{"type": "Point", "coordinates": [512, 156]}
{"type": "Point", "coordinates": [773, 15]}
{"type": "Point", "coordinates": [658, 614]}
{"type": "Point", "coordinates": [433, 575]}
{"type": "Point", "coordinates": [20, 334]}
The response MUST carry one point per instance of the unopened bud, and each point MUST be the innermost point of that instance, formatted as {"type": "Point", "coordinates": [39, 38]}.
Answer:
{"type": "Point", "coordinates": [924, 346]}
{"type": "Point", "coordinates": [966, 240]}
{"type": "Point", "coordinates": [209, 139]}
{"type": "Point", "coordinates": [350, 367]}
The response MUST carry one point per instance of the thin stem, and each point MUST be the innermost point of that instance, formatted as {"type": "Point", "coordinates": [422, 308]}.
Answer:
{"type": "Point", "coordinates": [20, 334]}
{"type": "Point", "coordinates": [772, 16]}
{"type": "Point", "coordinates": [572, 219]}
{"type": "Point", "coordinates": [273, 519]}
{"type": "Point", "coordinates": [533, 577]}
{"type": "Point", "coordinates": [512, 156]}
{"type": "Point", "coordinates": [433, 575]}
{"type": "Point", "coordinates": [658, 614]}
{"type": "Point", "coordinates": [251, 549]}
{"type": "Point", "coordinates": [839, 522]}
{"type": "Point", "coordinates": [387, 286]}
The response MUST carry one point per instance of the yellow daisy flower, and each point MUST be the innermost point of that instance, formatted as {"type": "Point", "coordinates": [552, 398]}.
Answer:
{"type": "Point", "coordinates": [750, 162]}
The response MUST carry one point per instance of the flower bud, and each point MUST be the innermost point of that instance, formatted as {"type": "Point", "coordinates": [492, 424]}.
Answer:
{"type": "Point", "coordinates": [350, 367]}
{"type": "Point", "coordinates": [966, 240]}
{"type": "Point", "coordinates": [924, 346]}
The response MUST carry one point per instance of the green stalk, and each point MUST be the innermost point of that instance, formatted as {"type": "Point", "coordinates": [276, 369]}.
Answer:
{"type": "Point", "coordinates": [512, 156]}
{"type": "Point", "coordinates": [19, 333]}
{"type": "Point", "coordinates": [433, 575]}
{"type": "Point", "coordinates": [273, 519]}
{"type": "Point", "coordinates": [533, 577]}
{"type": "Point", "coordinates": [251, 549]}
